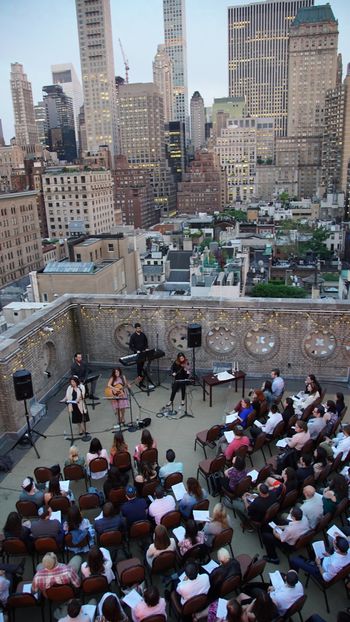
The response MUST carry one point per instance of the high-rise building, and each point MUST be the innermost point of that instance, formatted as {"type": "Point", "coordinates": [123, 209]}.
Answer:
{"type": "Point", "coordinates": [142, 139]}
{"type": "Point", "coordinates": [98, 77]}
{"type": "Point", "coordinates": [176, 48]}
{"type": "Point", "coordinates": [78, 201]}
{"type": "Point", "coordinates": [41, 123]}
{"type": "Point", "coordinates": [82, 132]}
{"type": "Point", "coordinates": [200, 189]}
{"type": "Point", "coordinates": [336, 138]}
{"type": "Point", "coordinates": [2, 139]}
{"type": "Point", "coordinates": [225, 108]}
{"type": "Point", "coordinates": [23, 107]}
{"type": "Point", "coordinates": [197, 120]}
{"type": "Point", "coordinates": [241, 145]}
{"type": "Point", "coordinates": [258, 56]}
{"type": "Point", "coordinates": [20, 227]}
{"type": "Point", "coordinates": [60, 122]}
{"type": "Point", "coordinates": [133, 195]}
{"type": "Point", "coordinates": [65, 75]}
{"type": "Point", "coordinates": [313, 68]}
{"type": "Point", "coordinates": [175, 140]}
{"type": "Point", "coordinates": [163, 79]}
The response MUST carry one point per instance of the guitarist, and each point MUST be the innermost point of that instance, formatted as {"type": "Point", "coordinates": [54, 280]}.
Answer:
{"type": "Point", "coordinates": [118, 387]}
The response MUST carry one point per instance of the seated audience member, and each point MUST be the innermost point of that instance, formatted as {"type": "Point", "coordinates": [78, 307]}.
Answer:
{"type": "Point", "coordinates": [54, 490]}
{"type": "Point", "coordinates": [331, 416]}
{"type": "Point", "coordinates": [312, 507]}
{"type": "Point", "coordinates": [161, 542]}
{"type": "Point", "coordinates": [312, 380]}
{"type": "Point", "coordinates": [96, 451]}
{"type": "Point", "coordinates": [277, 386]}
{"type": "Point", "coordinates": [147, 442]}
{"type": "Point", "coordinates": [80, 528]}
{"type": "Point", "coordinates": [228, 568]}
{"type": "Point", "coordinates": [110, 521]}
{"type": "Point", "coordinates": [234, 474]}
{"type": "Point", "coordinates": [316, 423]}
{"type": "Point", "coordinates": [285, 536]}
{"type": "Point", "coordinates": [341, 444]}
{"type": "Point", "coordinates": [334, 493]}
{"type": "Point", "coordinates": [284, 597]}
{"type": "Point", "coordinates": [119, 446]}
{"type": "Point", "coordinates": [327, 567]}
{"type": "Point", "coordinates": [115, 479]}
{"type": "Point", "coordinates": [247, 408]}
{"type": "Point", "coordinates": [273, 418]}
{"type": "Point", "coordinates": [109, 609]}
{"type": "Point", "coordinates": [30, 492]}
{"type": "Point", "coordinates": [151, 605]}
{"type": "Point", "coordinates": [161, 505]}
{"type": "Point", "coordinates": [297, 442]}
{"type": "Point", "coordinates": [267, 391]}
{"type": "Point", "coordinates": [257, 604]}
{"type": "Point", "coordinates": [170, 466]}
{"type": "Point", "coordinates": [193, 584]}
{"type": "Point", "coordinates": [73, 457]}
{"type": "Point", "coordinates": [339, 402]}
{"type": "Point", "coordinates": [13, 528]}
{"type": "Point", "coordinates": [304, 400]}
{"type": "Point", "coordinates": [147, 474]}
{"type": "Point", "coordinates": [258, 399]}
{"type": "Point", "coordinates": [288, 411]}
{"type": "Point", "coordinates": [98, 562]}
{"type": "Point", "coordinates": [304, 467]}
{"type": "Point", "coordinates": [54, 573]}
{"type": "Point", "coordinates": [193, 495]}
{"type": "Point", "coordinates": [320, 461]}
{"type": "Point", "coordinates": [239, 440]}
{"type": "Point", "coordinates": [75, 612]}
{"type": "Point", "coordinates": [45, 526]}
{"type": "Point", "coordinates": [135, 508]}
{"type": "Point", "coordinates": [191, 538]}
{"type": "Point", "coordinates": [218, 522]}
{"type": "Point", "coordinates": [288, 479]}
{"type": "Point", "coordinates": [254, 507]}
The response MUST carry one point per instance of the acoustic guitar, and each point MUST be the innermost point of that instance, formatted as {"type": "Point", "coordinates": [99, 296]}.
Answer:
{"type": "Point", "coordinates": [116, 391]}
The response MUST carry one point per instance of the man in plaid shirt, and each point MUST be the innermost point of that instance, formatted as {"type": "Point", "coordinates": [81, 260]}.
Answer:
{"type": "Point", "coordinates": [54, 573]}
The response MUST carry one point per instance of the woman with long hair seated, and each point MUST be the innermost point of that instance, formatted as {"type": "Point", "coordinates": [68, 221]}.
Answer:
{"type": "Point", "coordinates": [218, 522]}
{"type": "Point", "coordinates": [98, 562]}
{"type": "Point", "coordinates": [109, 609]}
{"type": "Point", "coordinates": [96, 451]}
{"type": "Point", "coordinates": [151, 605]}
{"type": "Point", "coordinates": [193, 495]}
{"type": "Point", "coordinates": [115, 479]}
{"type": "Point", "coordinates": [191, 538]}
{"type": "Point", "coordinates": [74, 458]}
{"type": "Point", "coordinates": [161, 542]}
{"type": "Point", "coordinates": [79, 528]}
{"type": "Point", "coordinates": [147, 442]}
{"type": "Point", "coordinates": [54, 490]}
{"type": "Point", "coordinates": [147, 474]}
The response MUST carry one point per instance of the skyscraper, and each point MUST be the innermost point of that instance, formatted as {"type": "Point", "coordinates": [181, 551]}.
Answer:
{"type": "Point", "coordinates": [163, 79]}
{"type": "Point", "coordinates": [65, 75]}
{"type": "Point", "coordinates": [197, 120]}
{"type": "Point", "coordinates": [258, 56]}
{"type": "Point", "coordinates": [176, 48]}
{"type": "Point", "coordinates": [41, 122]}
{"type": "Point", "coordinates": [60, 122]}
{"type": "Point", "coordinates": [142, 138]}
{"type": "Point", "coordinates": [2, 139]}
{"type": "Point", "coordinates": [97, 68]}
{"type": "Point", "coordinates": [23, 107]}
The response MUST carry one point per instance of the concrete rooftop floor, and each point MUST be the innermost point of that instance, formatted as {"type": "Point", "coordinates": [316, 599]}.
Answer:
{"type": "Point", "coordinates": [176, 433]}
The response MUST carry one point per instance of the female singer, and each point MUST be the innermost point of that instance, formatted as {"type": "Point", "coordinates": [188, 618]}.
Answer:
{"type": "Point", "coordinates": [117, 386]}
{"type": "Point", "coordinates": [179, 371]}
{"type": "Point", "coordinates": [75, 400]}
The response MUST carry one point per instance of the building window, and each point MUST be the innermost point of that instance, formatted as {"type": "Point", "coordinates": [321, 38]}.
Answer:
{"type": "Point", "coordinates": [78, 257]}
{"type": "Point", "coordinates": [110, 247]}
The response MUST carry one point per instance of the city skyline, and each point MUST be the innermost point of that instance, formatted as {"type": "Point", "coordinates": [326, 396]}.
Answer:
{"type": "Point", "coordinates": [42, 45]}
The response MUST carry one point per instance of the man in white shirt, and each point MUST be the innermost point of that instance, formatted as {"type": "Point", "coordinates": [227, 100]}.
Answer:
{"type": "Point", "coordinates": [285, 536]}
{"type": "Point", "coordinates": [273, 418]}
{"type": "Point", "coordinates": [193, 583]}
{"type": "Point", "coordinates": [312, 507]}
{"type": "Point", "coordinates": [341, 444]}
{"type": "Point", "coordinates": [161, 505]}
{"type": "Point", "coordinates": [284, 597]}
{"type": "Point", "coordinates": [277, 384]}
{"type": "Point", "coordinates": [170, 466]}
{"type": "Point", "coordinates": [327, 567]}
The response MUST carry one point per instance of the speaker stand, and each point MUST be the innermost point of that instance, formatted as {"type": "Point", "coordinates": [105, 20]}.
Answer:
{"type": "Point", "coordinates": [28, 435]}
{"type": "Point", "coordinates": [197, 382]}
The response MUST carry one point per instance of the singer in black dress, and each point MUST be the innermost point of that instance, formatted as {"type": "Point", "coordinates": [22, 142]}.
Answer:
{"type": "Point", "coordinates": [179, 371]}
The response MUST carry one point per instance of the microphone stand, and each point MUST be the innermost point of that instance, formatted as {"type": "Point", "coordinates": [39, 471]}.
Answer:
{"type": "Point", "coordinates": [133, 427]}
{"type": "Point", "coordinates": [159, 384]}
{"type": "Point", "coordinates": [185, 382]}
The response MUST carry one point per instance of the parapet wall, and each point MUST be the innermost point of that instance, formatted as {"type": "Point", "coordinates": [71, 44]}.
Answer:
{"type": "Point", "coordinates": [298, 336]}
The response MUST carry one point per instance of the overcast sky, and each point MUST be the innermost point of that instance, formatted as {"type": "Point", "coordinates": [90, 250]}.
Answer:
{"type": "Point", "coordinates": [40, 33]}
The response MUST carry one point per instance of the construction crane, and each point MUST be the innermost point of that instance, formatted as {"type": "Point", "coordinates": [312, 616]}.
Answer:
{"type": "Point", "coordinates": [126, 62]}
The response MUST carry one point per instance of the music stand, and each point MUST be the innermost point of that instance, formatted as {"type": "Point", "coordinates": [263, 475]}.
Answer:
{"type": "Point", "coordinates": [185, 382]}
{"type": "Point", "coordinates": [92, 380]}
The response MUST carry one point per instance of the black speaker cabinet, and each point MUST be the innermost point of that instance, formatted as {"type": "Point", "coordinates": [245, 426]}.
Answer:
{"type": "Point", "coordinates": [194, 336]}
{"type": "Point", "coordinates": [22, 382]}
